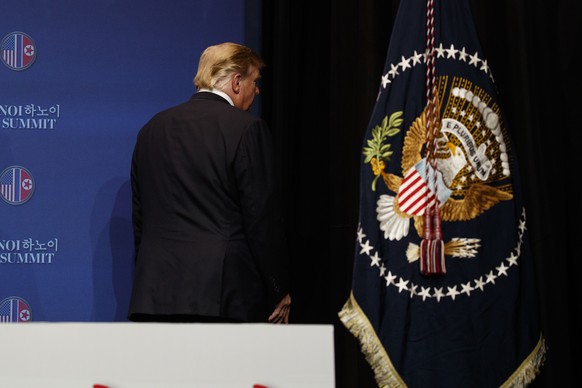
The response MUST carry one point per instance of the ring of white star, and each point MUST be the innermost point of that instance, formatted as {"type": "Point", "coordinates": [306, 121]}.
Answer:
{"type": "Point", "coordinates": [439, 293]}
{"type": "Point", "coordinates": [482, 281]}
{"type": "Point", "coordinates": [441, 52]}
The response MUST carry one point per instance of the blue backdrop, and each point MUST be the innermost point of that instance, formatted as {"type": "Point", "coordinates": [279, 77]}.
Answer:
{"type": "Point", "coordinates": [78, 79]}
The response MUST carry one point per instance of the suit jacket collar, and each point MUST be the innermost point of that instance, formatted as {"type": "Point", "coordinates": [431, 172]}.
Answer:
{"type": "Point", "coordinates": [209, 96]}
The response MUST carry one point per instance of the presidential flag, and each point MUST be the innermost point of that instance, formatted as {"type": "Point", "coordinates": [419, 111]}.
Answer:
{"type": "Point", "coordinates": [443, 290]}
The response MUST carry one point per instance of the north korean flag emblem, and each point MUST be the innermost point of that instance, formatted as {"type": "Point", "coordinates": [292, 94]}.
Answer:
{"type": "Point", "coordinates": [18, 51]}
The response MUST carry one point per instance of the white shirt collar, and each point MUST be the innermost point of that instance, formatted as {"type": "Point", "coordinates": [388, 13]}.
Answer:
{"type": "Point", "coordinates": [220, 93]}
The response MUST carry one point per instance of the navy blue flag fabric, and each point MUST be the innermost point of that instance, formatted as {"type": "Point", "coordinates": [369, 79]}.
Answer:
{"type": "Point", "coordinates": [477, 323]}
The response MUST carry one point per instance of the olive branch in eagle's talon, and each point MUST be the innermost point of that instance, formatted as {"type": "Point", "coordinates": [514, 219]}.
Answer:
{"type": "Point", "coordinates": [377, 153]}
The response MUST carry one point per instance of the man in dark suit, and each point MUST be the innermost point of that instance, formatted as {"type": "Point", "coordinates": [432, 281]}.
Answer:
{"type": "Point", "coordinates": [209, 233]}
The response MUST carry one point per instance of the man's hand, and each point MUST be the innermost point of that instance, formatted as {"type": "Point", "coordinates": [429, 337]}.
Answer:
{"type": "Point", "coordinates": [281, 312]}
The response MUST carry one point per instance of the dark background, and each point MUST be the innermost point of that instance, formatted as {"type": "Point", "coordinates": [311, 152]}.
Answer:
{"type": "Point", "coordinates": [325, 60]}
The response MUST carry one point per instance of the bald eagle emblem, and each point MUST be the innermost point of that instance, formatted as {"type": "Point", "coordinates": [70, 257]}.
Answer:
{"type": "Point", "coordinates": [472, 167]}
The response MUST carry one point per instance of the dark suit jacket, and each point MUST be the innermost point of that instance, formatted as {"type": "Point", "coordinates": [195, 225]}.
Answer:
{"type": "Point", "coordinates": [208, 229]}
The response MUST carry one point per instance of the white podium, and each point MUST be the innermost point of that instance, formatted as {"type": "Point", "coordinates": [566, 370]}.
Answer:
{"type": "Point", "coordinates": [157, 355]}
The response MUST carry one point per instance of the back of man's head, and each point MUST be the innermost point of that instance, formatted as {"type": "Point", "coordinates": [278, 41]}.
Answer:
{"type": "Point", "coordinates": [219, 62]}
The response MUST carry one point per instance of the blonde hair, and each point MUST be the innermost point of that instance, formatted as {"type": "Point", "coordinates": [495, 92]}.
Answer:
{"type": "Point", "coordinates": [219, 62]}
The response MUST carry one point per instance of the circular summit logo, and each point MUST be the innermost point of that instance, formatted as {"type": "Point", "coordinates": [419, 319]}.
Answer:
{"type": "Point", "coordinates": [16, 185]}
{"type": "Point", "coordinates": [14, 309]}
{"type": "Point", "coordinates": [18, 51]}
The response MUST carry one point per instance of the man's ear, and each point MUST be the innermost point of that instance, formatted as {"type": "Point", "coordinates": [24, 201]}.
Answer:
{"type": "Point", "coordinates": [235, 83]}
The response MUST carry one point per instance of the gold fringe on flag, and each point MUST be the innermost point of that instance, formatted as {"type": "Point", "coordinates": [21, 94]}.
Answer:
{"type": "Point", "coordinates": [529, 369]}
{"type": "Point", "coordinates": [358, 324]}
{"type": "Point", "coordinates": [386, 375]}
